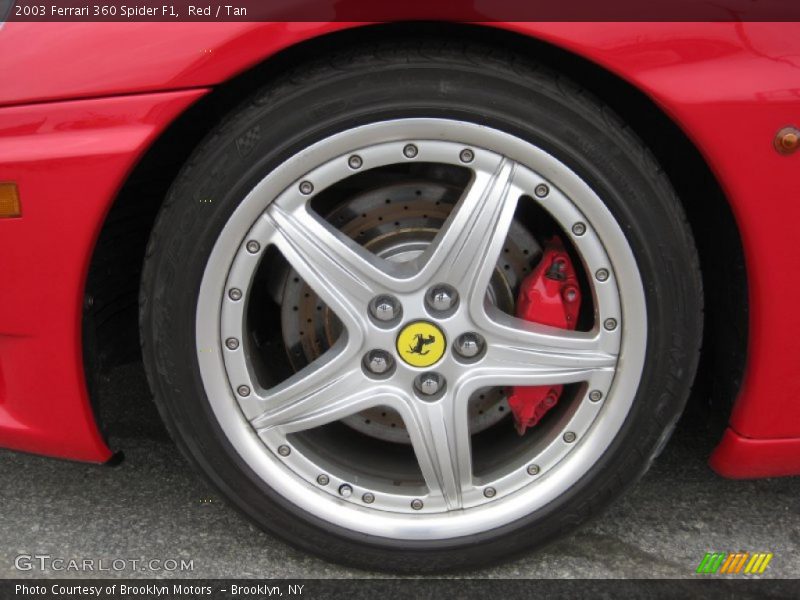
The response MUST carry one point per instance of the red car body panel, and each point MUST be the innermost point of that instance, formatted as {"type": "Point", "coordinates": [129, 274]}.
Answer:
{"type": "Point", "coordinates": [69, 160]}
{"type": "Point", "coordinates": [71, 132]}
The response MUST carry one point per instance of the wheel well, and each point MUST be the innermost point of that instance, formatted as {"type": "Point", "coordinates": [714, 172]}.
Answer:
{"type": "Point", "coordinates": [110, 332]}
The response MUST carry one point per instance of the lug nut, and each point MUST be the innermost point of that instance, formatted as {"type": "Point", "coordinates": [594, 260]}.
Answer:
{"type": "Point", "coordinates": [442, 298]}
{"type": "Point", "coordinates": [595, 395]}
{"type": "Point", "coordinates": [466, 155]}
{"type": "Point", "coordinates": [235, 294]}
{"type": "Point", "coordinates": [385, 308]}
{"type": "Point", "coordinates": [610, 324]}
{"type": "Point", "coordinates": [602, 274]}
{"type": "Point", "coordinates": [306, 187]}
{"type": "Point", "coordinates": [232, 343]}
{"type": "Point", "coordinates": [345, 491]}
{"type": "Point", "coordinates": [541, 190]}
{"type": "Point", "coordinates": [253, 247]}
{"type": "Point", "coordinates": [469, 345]}
{"type": "Point", "coordinates": [323, 479]}
{"type": "Point", "coordinates": [416, 504]}
{"type": "Point", "coordinates": [429, 383]}
{"type": "Point", "coordinates": [368, 498]}
{"type": "Point", "coordinates": [355, 162]}
{"type": "Point", "coordinates": [489, 492]}
{"type": "Point", "coordinates": [569, 437]}
{"type": "Point", "coordinates": [410, 151]}
{"type": "Point", "coordinates": [378, 362]}
{"type": "Point", "coordinates": [243, 390]}
{"type": "Point", "coordinates": [284, 450]}
{"type": "Point", "coordinates": [533, 469]}
{"type": "Point", "coordinates": [579, 229]}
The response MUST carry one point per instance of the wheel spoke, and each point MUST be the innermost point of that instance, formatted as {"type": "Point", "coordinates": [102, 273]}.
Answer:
{"type": "Point", "coordinates": [465, 251]}
{"type": "Point", "coordinates": [322, 392]}
{"type": "Point", "coordinates": [523, 353]}
{"type": "Point", "coordinates": [439, 433]}
{"type": "Point", "coordinates": [344, 275]}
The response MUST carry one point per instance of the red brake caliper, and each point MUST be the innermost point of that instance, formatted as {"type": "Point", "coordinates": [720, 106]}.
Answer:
{"type": "Point", "coordinates": [549, 295]}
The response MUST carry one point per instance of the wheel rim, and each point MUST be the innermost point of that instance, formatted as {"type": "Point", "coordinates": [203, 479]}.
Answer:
{"type": "Point", "coordinates": [452, 501]}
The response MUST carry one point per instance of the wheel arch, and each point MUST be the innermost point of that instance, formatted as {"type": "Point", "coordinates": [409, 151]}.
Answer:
{"type": "Point", "coordinates": [110, 322]}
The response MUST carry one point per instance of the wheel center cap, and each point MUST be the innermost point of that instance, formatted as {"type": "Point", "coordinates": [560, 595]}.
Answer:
{"type": "Point", "coordinates": [421, 344]}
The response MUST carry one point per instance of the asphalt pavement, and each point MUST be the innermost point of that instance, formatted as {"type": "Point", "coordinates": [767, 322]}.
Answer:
{"type": "Point", "coordinates": [154, 507]}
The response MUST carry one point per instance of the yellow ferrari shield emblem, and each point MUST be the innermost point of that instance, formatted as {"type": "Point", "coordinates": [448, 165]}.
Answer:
{"type": "Point", "coordinates": [421, 344]}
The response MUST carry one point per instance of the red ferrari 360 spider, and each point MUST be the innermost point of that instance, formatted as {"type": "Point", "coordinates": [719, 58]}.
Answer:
{"type": "Point", "coordinates": [407, 294]}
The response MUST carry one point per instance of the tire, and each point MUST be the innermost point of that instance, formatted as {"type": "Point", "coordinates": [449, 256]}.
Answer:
{"type": "Point", "coordinates": [539, 119]}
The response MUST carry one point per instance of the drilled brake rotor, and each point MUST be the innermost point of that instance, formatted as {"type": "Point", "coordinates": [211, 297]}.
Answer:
{"type": "Point", "coordinates": [397, 222]}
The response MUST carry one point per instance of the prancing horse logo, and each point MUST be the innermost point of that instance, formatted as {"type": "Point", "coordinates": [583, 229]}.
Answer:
{"type": "Point", "coordinates": [421, 344]}
{"type": "Point", "coordinates": [420, 341]}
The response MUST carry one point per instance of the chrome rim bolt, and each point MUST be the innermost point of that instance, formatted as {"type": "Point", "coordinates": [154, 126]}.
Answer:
{"type": "Point", "coordinates": [243, 390]}
{"type": "Point", "coordinates": [541, 190]}
{"type": "Point", "coordinates": [345, 491]}
{"type": "Point", "coordinates": [490, 492]}
{"type": "Point", "coordinates": [306, 187]}
{"type": "Point", "coordinates": [235, 294]}
{"type": "Point", "coordinates": [410, 151]}
{"type": "Point", "coordinates": [569, 437]}
{"type": "Point", "coordinates": [355, 162]}
{"type": "Point", "coordinates": [253, 247]}
{"type": "Point", "coordinates": [610, 324]}
{"type": "Point", "coordinates": [284, 450]}
{"type": "Point", "coordinates": [416, 504]}
{"type": "Point", "coordinates": [602, 274]}
{"type": "Point", "coordinates": [429, 384]}
{"type": "Point", "coordinates": [232, 343]}
{"type": "Point", "coordinates": [533, 469]}
{"type": "Point", "coordinates": [368, 498]}
{"type": "Point", "coordinates": [323, 479]}
{"type": "Point", "coordinates": [595, 395]}
{"type": "Point", "coordinates": [469, 345]}
{"type": "Point", "coordinates": [466, 155]}
{"type": "Point", "coordinates": [378, 362]}
{"type": "Point", "coordinates": [579, 229]}
{"type": "Point", "coordinates": [442, 298]}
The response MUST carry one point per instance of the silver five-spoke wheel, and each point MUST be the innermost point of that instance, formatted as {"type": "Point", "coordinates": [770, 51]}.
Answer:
{"type": "Point", "coordinates": [430, 393]}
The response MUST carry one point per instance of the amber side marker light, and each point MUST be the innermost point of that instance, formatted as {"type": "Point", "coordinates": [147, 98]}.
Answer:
{"type": "Point", "coordinates": [9, 201]}
{"type": "Point", "coordinates": [787, 141]}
